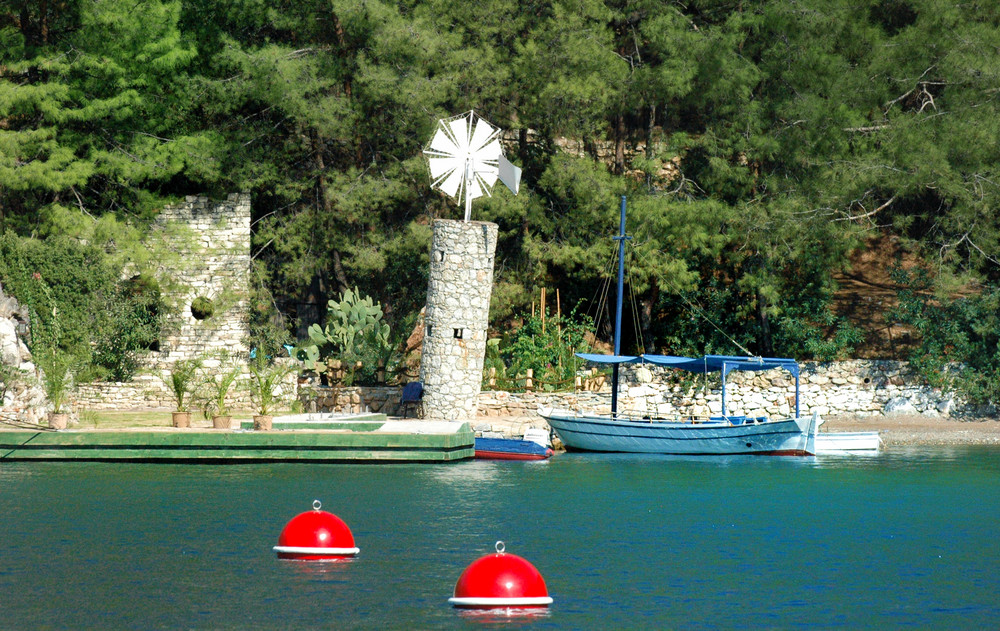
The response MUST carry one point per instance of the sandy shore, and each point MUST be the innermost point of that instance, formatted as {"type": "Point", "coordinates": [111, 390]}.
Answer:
{"type": "Point", "coordinates": [895, 430]}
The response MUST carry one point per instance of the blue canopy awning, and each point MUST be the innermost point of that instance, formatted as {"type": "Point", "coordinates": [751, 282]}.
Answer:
{"type": "Point", "coordinates": [708, 363]}
{"type": "Point", "coordinates": [610, 359]}
{"type": "Point", "coordinates": [724, 364]}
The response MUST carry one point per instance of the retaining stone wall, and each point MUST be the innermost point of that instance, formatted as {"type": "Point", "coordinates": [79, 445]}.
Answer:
{"type": "Point", "coordinates": [147, 391]}
{"type": "Point", "coordinates": [857, 387]}
{"type": "Point", "coordinates": [861, 387]}
{"type": "Point", "coordinates": [353, 399]}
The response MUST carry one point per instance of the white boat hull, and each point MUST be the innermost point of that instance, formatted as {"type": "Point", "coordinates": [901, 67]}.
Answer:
{"type": "Point", "coordinates": [592, 432]}
{"type": "Point", "coordinates": [836, 442]}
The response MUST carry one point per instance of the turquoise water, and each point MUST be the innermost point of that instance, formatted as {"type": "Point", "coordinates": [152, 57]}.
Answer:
{"type": "Point", "coordinates": [907, 539]}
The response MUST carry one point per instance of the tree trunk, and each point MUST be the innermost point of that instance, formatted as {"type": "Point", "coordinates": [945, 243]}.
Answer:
{"type": "Point", "coordinates": [321, 192]}
{"type": "Point", "coordinates": [620, 144]}
{"type": "Point", "coordinates": [766, 347]}
{"type": "Point", "coordinates": [646, 318]}
{"type": "Point", "coordinates": [649, 131]}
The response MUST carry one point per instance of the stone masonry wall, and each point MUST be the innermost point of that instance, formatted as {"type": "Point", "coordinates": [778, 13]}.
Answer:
{"type": "Point", "coordinates": [215, 262]}
{"type": "Point", "coordinates": [857, 387]}
{"type": "Point", "coordinates": [864, 388]}
{"type": "Point", "coordinates": [212, 242]}
{"type": "Point", "coordinates": [147, 391]}
{"type": "Point", "coordinates": [457, 314]}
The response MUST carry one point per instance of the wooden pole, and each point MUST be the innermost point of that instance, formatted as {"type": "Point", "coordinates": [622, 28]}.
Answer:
{"type": "Point", "coordinates": [558, 310]}
{"type": "Point", "coordinates": [542, 309]}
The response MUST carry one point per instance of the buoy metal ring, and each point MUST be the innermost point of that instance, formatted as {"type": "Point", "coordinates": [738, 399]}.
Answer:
{"type": "Point", "coordinates": [500, 547]}
{"type": "Point", "coordinates": [317, 504]}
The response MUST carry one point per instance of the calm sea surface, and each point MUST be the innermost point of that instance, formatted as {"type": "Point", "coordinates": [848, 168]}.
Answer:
{"type": "Point", "coordinates": [910, 538]}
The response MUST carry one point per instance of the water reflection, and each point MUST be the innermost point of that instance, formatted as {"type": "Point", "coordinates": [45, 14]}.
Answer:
{"type": "Point", "coordinates": [319, 567]}
{"type": "Point", "coordinates": [479, 471]}
{"type": "Point", "coordinates": [505, 616]}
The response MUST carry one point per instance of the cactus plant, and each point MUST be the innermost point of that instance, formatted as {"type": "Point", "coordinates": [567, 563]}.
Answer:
{"type": "Point", "coordinates": [351, 322]}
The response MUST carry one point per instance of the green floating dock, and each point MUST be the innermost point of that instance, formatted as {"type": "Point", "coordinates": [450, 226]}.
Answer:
{"type": "Point", "coordinates": [362, 441]}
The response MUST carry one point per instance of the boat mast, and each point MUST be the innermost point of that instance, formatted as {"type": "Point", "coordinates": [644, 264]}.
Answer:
{"type": "Point", "coordinates": [621, 238]}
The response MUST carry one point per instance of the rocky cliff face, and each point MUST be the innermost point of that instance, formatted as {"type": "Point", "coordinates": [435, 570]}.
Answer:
{"type": "Point", "coordinates": [21, 396]}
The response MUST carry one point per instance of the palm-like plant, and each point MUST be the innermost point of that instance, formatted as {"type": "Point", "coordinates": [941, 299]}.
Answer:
{"type": "Point", "coordinates": [264, 379]}
{"type": "Point", "coordinates": [181, 380]}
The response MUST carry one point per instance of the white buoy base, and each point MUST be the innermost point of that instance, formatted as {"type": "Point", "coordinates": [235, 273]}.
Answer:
{"type": "Point", "coordinates": [341, 552]}
{"type": "Point", "coordinates": [534, 601]}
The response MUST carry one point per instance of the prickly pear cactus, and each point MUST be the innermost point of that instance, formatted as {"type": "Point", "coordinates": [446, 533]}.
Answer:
{"type": "Point", "coordinates": [347, 321]}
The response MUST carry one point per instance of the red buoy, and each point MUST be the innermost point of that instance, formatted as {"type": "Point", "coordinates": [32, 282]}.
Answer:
{"type": "Point", "coordinates": [500, 580]}
{"type": "Point", "coordinates": [315, 535]}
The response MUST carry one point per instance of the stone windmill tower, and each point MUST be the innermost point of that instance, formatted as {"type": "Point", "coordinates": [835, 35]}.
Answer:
{"type": "Point", "coordinates": [465, 161]}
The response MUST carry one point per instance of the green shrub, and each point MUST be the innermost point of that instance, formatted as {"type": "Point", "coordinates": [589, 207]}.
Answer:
{"type": "Point", "coordinates": [130, 329]}
{"type": "Point", "coordinates": [65, 285]}
{"type": "Point", "coordinates": [959, 337]}
{"type": "Point", "coordinates": [80, 307]}
{"type": "Point", "coordinates": [548, 351]}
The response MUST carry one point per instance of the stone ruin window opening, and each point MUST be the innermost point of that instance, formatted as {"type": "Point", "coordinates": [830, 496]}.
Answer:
{"type": "Point", "coordinates": [202, 308]}
{"type": "Point", "coordinates": [429, 327]}
{"type": "Point", "coordinates": [459, 333]}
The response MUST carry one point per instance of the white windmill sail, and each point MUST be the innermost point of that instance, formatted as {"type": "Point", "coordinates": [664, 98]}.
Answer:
{"type": "Point", "coordinates": [465, 159]}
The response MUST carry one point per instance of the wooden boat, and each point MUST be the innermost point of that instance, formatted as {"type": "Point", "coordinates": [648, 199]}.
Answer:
{"type": "Point", "coordinates": [794, 436]}
{"type": "Point", "coordinates": [616, 432]}
{"type": "Point", "coordinates": [534, 446]}
{"type": "Point", "coordinates": [840, 442]}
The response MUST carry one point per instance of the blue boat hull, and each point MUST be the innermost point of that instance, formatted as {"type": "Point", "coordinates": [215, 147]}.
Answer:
{"type": "Point", "coordinates": [583, 432]}
{"type": "Point", "coordinates": [510, 449]}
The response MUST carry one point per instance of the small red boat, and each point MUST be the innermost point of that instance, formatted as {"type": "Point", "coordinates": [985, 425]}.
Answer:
{"type": "Point", "coordinates": [534, 446]}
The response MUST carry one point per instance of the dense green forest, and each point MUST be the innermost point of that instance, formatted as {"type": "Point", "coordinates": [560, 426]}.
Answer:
{"type": "Point", "coordinates": [759, 142]}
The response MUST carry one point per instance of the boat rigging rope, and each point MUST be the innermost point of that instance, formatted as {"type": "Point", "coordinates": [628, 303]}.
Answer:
{"type": "Point", "coordinates": [700, 311]}
{"type": "Point", "coordinates": [601, 299]}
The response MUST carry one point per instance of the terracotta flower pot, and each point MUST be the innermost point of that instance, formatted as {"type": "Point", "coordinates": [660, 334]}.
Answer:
{"type": "Point", "coordinates": [58, 420]}
{"type": "Point", "coordinates": [222, 422]}
{"type": "Point", "coordinates": [262, 422]}
{"type": "Point", "coordinates": [181, 419]}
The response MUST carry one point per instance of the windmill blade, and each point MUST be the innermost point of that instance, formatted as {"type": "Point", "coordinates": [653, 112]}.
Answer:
{"type": "Point", "coordinates": [509, 174]}
{"type": "Point", "coordinates": [491, 151]}
{"type": "Point", "coordinates": [481, 136]}
{"type": "Point", "coordinates": [460, 132]}
{"type": "Point", "coordinates": [441, 166]}
{"type": "Point", "coordinates": [451, 184]}
{"type": "Point", "coordinates": [442, 143]}
{"type": "Point", "coordinates": [474, 189]}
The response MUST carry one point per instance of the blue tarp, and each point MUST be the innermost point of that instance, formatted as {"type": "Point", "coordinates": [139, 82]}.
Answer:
{"type": "Point", "coordinates": [709, 363]}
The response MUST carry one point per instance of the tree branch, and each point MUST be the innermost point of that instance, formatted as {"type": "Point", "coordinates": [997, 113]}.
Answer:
{"type": "Point", "coordinates": [867, 214]}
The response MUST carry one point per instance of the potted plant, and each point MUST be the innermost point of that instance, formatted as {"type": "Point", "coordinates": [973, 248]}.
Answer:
{"type": "Point", "coordinates": [180, 380]}
{"type": "Point", "coordinates": [57, 383]}
{"type": "Point", "coordinates": [216, 389]}
{"type": "Point", "coordinates": [265, 378]}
